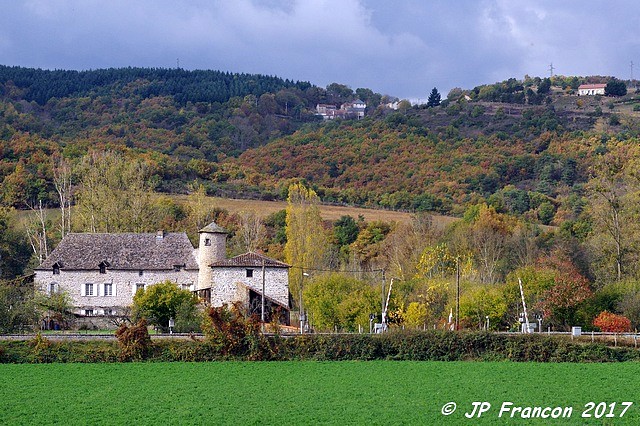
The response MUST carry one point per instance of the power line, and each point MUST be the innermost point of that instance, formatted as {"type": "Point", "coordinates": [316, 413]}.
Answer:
{"type": "Point", "coordinates": [354, 271]}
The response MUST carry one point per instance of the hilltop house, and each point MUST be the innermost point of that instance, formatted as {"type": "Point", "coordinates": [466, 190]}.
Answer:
{"type": "Point", "coordinates": [355, 109]}
{"type": "Point", "coordinates": [102, 272]}
{"type": "Point", "coordinates": [591, 89]}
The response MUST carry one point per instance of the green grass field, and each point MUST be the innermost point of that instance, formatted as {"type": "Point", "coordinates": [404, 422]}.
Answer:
{"type": "Point", "coordinates": [244, 393]}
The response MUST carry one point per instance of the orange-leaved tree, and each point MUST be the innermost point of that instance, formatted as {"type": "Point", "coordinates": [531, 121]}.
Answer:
{"type": "Point", "coordinates": [612, 323]}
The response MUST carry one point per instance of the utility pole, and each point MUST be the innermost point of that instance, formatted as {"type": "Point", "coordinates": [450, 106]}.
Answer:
{"type": "Point", "coordinates": [551, 68]}
{"type": "Point", "coordinates": [457, 293]}
{"type": "Point", "coordinates": [383, 292]}
{"type": "Point", "coordinates": [631, 66]}
{"type": "Point", "coordinates": [524, 307]}
{"type": "Point", "coordinates": [300, 314]}
{"type": "Point", "coordinates": [262, 302]}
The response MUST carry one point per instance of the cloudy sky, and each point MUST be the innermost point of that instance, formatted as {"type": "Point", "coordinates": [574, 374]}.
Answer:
{"type": "Point", "coordinates": [397, 47]}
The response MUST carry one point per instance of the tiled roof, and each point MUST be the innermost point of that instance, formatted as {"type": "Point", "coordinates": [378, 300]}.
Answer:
{"type": "Point", "coordinates": [213, 228]}
{"type": "Point", "coordinates": [592, 86]}
{"type": "Point", "coordinates": [126, 251]}
{"type": "Point", "coordinates": [250, 259]}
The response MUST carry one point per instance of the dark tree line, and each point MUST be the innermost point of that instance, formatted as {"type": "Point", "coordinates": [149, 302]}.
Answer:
{"type": "Point", "coordinates": [186, 86]}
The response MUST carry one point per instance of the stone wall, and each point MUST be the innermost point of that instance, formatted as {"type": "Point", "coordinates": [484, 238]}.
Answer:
{"type": "Point", "coordinates": [124, 285]}
{"type": "Point", "coordinates": [227, 284]}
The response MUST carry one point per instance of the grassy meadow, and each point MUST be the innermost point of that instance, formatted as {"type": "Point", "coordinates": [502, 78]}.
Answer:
{"type": "Point", "coordinates": [265, 208]}
{"type": "Point", "coordinates": [245, 393]}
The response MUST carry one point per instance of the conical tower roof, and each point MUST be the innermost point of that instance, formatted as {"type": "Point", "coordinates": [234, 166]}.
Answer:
{"type": "Point", "coordinates": [213, 228]}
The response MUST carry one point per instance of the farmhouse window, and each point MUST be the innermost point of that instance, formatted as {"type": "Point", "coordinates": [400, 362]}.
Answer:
{"type": "Point", "coordinates": [249, 273]}
{"type": "Point", "coordinates": [108, 289]}
{"type": "Point", "coordinates": [108, 312]}
{"type": "Point", "coordinates": [207, 242]}
{"type": "Point", "coordinates": [103, 268]}
{"type": "Point", "coordinates": [56, 270]}
{"type": "Point", "coordinates": [88, 312]}
{"type": "Point", "coordinates": [140, 273]}
{"type": "Point", "coordinates": [139, 287]}
{"type": "Point", "coordinates": [87, 289]}
{"type": "Point", "coordinates": [52, 288]}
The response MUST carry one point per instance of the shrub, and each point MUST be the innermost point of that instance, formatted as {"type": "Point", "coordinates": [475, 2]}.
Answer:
{"type": "Point", "coordinates": [40, 349]}
{"type": "Point", "coordinates": [233, 333]}
{"type": "Point", "coordinates": [134, 341]}
{"type": "Point", "coordinates": [612, 323]}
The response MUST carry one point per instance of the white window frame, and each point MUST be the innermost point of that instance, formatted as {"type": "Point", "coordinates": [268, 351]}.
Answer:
{"type": "Point", "coordinates": [89, 312]}
{"type": "Point", "coordinates": [108, 289]}
{"type": "Point", "coordinates": [138, 286]}
{"type": "Point", "coordinates": [85, 287]}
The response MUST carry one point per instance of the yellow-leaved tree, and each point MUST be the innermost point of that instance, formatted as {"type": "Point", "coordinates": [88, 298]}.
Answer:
{"type": "Point", "coordinates": [307, 244]}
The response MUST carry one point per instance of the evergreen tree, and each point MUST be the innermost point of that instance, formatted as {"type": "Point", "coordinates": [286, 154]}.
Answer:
{"type": "Point", "coordinates": [434, 98]}
{"type": "Point", "coordinates": [615, 88]}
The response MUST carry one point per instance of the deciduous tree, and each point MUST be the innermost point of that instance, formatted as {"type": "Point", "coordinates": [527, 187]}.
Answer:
{"type": "Point", "coordinates": [161, 301]}
{"type": "Point", "coordinates": [307, 241]}
{"type": "Point", "coordinates": [612, 323]}
{"type": "Point", "coordinates": [114, 195]}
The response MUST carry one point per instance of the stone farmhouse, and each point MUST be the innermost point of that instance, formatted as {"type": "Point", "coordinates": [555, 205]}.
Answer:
{"type": "Point", "coordinates": [591, 89]}
{"type": "Point", "coordinates": [355, 109]}
{"type": "Point", "coordinates": [102, 272]}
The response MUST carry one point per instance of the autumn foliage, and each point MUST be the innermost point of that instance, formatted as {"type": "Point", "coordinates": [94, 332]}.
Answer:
{"type": "Point", "coordinates": [134, 341]}
{"type": "Point", "coordinates": [233, 332]}
{"type": "Point", "coordinates": [612, 323]}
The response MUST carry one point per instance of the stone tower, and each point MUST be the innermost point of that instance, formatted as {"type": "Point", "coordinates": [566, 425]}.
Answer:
{"type": "Point", "coordinates": [212, 248]}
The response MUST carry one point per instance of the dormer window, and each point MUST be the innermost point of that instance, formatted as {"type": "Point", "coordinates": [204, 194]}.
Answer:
{"type": "Point", "coordinates": [56, 269]}
{"type": "Point", "coordinates": [178, 268]}
{"type": "Point", "coordinates": [103, 266]}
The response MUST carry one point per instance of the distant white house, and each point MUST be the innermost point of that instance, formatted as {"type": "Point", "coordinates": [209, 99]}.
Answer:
{"type": "Point", "coordinates": [102, 272]}
{"type": "Point", "coordinates": [355, 109]}
{"type": "Point", "coordinates": [591, 89]}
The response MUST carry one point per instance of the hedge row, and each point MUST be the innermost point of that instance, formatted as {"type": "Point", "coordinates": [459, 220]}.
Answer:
{"type": "Point", "coordinates": [414, 346]}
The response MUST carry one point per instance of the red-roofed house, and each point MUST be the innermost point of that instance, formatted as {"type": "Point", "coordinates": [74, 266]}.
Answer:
{"type": "Point", "coordinates": [591, 89]}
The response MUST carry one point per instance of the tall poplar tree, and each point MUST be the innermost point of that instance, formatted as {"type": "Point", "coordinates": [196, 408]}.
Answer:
{"type": "Point", "coordinates": [307, 244]}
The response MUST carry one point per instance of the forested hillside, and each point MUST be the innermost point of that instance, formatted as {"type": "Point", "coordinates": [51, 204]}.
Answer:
{"type": "Point", "coordinates": [507, 159]}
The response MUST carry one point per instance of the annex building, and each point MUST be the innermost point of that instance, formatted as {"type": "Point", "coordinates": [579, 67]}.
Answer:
{"type": "Point", "coordinates": [102, 272]}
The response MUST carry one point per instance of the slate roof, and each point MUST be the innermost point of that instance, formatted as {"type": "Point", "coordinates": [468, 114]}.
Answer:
{"type": "Point", "coordinates": [213, 228]}
{"type": "Point", "coordinates": [127, 251]}
{"type": "Point", "coordinates": [250, 259]}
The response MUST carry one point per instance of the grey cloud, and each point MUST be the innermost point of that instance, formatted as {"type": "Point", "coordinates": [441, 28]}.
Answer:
{"type": "Point", "coordinates": [402, 48]}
